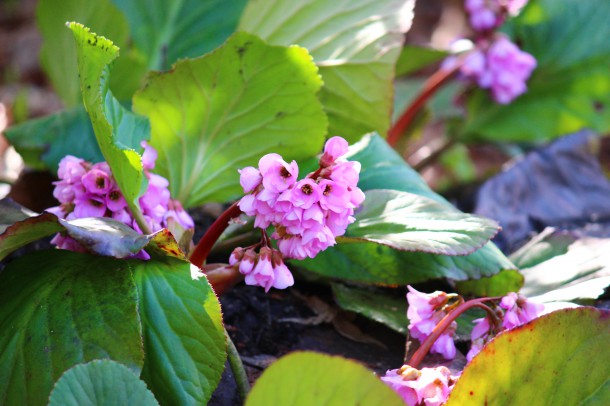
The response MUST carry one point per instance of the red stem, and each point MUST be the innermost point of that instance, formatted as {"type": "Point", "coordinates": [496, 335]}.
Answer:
{"type": "Point", "coordinates": [204, 246]}
{"type": "Point", "coordinates": [423, 349]}
{"type": "Point", "coordinates": [434, 82]}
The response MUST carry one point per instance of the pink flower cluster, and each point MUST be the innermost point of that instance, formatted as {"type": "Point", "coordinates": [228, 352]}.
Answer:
{"type": "Point", "coordinates": [90, 190]}
{"type": "Point", "coordinates": [518, 310]}
{"type": "Point", "coordinates": [424, 313]}
{"type": "Point", "coordinates": [489, 14]}
{"type": "Point", "coordinates": [307, 214]}
{"type": "Point", "coordinates": [502, 67]}
{"type": "Point", "coordinates": [266, 268]}
{"type": "Point", "coordinates": [428, 386]}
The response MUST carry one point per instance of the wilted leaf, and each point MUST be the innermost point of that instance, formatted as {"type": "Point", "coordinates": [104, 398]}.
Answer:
{"type": "Point", "coordinates": [355, 44]}
{"type": "Point", "coordinates": [560, 358]}
{"type": "Point", "coordinates": [307, 378]}
{"type": "Point", "coordinates": [101, 383]}
{"type": "Point", "coordinates": [223, 111]}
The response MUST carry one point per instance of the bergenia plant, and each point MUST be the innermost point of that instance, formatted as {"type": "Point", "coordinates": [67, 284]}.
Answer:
{"type": "Point", "coordinates": [270, 130]}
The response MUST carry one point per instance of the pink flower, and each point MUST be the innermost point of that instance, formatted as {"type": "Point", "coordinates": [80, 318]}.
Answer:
{"type": "Point", "coordinates": [428, 386]}
{"type": "Point", "coordinates": [89, 206]}
{"type": "Point", "coordinates": [519, 310]}
{"type": "Point", "coordinates": [425, 311]}
{"type": "Point", "coordinates": [334, 148]}
{"type": "Point", "coordinates": [176, 212]}
{"type": "Point", "coordinates": [149, 156]}
{"type": "Point", "coordinates": [115, 200]}
{"type": "Point", "coordinates": [305, 194]}
{"type": "Point", "coordinates": [277, 174]}
{"type": "Point", "coordinates": [266, 269]}
{"type": "Point", "coordinates": [71, 168]}
{"type": "Point", "coordinates": [480, 335]}
{"type": "Point", "coordinates": [249, 178]}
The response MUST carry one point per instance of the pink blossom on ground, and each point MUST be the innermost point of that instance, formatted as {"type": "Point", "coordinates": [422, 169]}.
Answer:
{"type": "Point", "coordinates": [428, 386]}
{"type": "Point", "coordinates": [519, 310]}
{"type": "Point", "coordinates": [425, 311]}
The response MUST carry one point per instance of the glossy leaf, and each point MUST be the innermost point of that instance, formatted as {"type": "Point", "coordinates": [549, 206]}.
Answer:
{"type": "Point", "coordinates": [118, 131]}
{"type": "Point", "coordinates": [182, 330]}
{"type": "Point", "coordinates": [409, 222]}
{"type": "Point", "coordinates": [43, 142]}
{"type": "Point", "coordinates": [355, 44]}
{"type": "Point", "coordinates": [546, 245]}
{"type": "Point", "coordinates": [508, 280]}
{"type": "Point", "coordinates": [59, 309]}
{"type": "Point", "coordinates": [167, 30]}
{"type": "Point", "coordinates": [560, 358]}
{"type": "Point", "coordinates": [100, 383]}
{"type": "Point", "coordinates": [385, 309]}
{"type": "Point", "coordinates": [58, 52]}
{"type": "Point", "coordinates": [581, 273]}
{"type": "Point", "coordinates": [371, 263]}
{"type": "Point", "coordinates": [307, 378]}
{"type": "Point", "coordinates": [223, 111]}
{"type": "Point", "coordinates": [570, 88]}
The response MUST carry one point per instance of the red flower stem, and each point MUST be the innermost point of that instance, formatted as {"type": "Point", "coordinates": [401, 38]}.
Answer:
{"type": "Point", "coordinates": [204, 246]}
{"type": "Point", "coordinates": [423, 349]}
{"type": "Point", "coordinates": [431, 86]}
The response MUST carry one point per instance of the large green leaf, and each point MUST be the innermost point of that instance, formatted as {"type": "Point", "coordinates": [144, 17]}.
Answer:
{"type": "Point", "coordinates": [413, 58]}
{"type": "Point", "coordinates": [223, 111]}
{"type": "Point", "coordinates": [409, 222]}
{"type": "Point", "coordinates": [371, 263]}
{"type": "Point", "coordinates": [59, 309]}
{"type": "Point", "coordinates": [167, 30]}
{"type": "Point", "coordinates": [355, 44]}
{"type": "Point", "coordinates": [505, 281]}
{"type": "Point", "coordinates": [58, 53]}
{"type": "Point", "coordinates": [43, 142]}
{"type": "Point", "coordinates": [570, 88]}
{"type": "Point", "coordinates": [183, 334]}
{"type": "Point", "coordinates": [561, 358]}
{"type": "Point", "coordinates": [100, 383]}
{"type": "Point", "coordinates": [118, 131]}
{"type": "Point", "coordinates": [307, 378]}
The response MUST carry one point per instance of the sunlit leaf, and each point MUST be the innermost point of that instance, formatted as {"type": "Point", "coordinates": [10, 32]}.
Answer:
{"type": "Point", "coordinates": [560, 358]}
{"type": "Point", "coordinates": [182, 329]}
{"type": "Point", "coordinates": [223, 111]}
{"type": "Point", "coordinates": [118, 131]}
{"type": "Point", "coordinates": [307, 378]}
{"type": "Point", "coordinates": [409, 222]}
{"type": "Point", "coordinates": [413, 58]}
{"type": "Point", "coordinates": [101, 383]}
{"type": "Point", "coordinates": [508, 280]}
{"type": "Point", "coordinates": [355, 44]}
{"type": "Point", "coordinates": [59, 309]}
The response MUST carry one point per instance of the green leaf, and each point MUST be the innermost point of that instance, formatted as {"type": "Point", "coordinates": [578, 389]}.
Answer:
{"type": "Point", "coordinates": [28, 230]}
{"type": "Point", "coordinates": [58, 52]}
{"type": "Point", "coordinates": [371, 263]}
{"type": "Point", "coordinates": [183, 333]}
{"type": "Point", "coordinates": [570, 88]}
{"type": "Point", "coordinates": [100, 383]}
{"type": "Point", "coordinates": [118, 131]}
{"type": "Point", "coordinates": [12, 212]}
{"type": "Point", "coordinates": [59, 309]}
{"type": "Point", "coordinates": [355, 44]}
{"type": "Point", "coordinates": [560, 358]}
{"type": "Point", "coordinates": [388, 310]}
{"type": "Point", "coordinates": [508, 280]}
{"type": "Point", "coordinates": [413, 58]}
{"type": "Point", "coordinates": [167, 30]}
{"type": "Point", "coordinates": [409, 222]}
{"type": "Point", "coordinates": [223, 111]}
{"type": "Point", "coordinates": [43, 142]}
{"type": "Point", "coordinates": [582, 273]}
{"type": "Point", "coordinates": [546, 245]}
{"type": "Point", "coordinates": [308, 378]}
